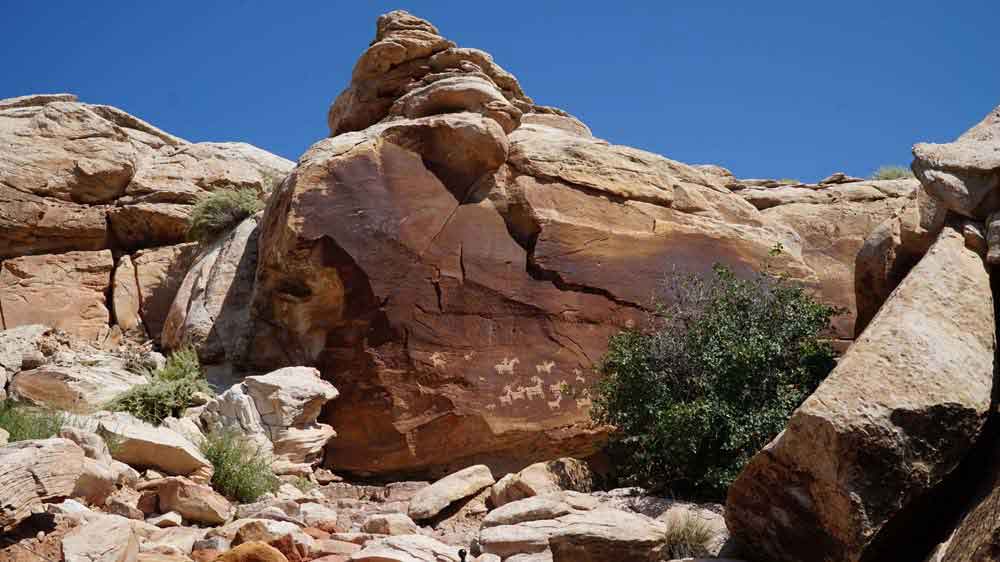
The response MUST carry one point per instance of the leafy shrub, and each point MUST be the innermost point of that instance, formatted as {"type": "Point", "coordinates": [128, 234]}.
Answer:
{"type": "Point", "coordinates": [169, 392]}
{"type": "Point", "coordinates": [892, 173]}
{"type": "Point", "coordinates": [24, 422]}
{"type": "Point", "coordinates": [220, 211]}
{"type": "Point", "coordinates": [712, 380]}
{"type": "Point", "coordinates": [687, 537]}
{"type": "Point", "coordinates": [242, 471]}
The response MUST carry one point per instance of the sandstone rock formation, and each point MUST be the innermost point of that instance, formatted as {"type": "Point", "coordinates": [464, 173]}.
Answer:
{"type": "Point", "coordinates": [453, 258]}
{"type": "Point", "coordinates": [543, 478]}
{"type": "Point", "coordinates": [896, 415]}
{"type": "Point", "coordinates": [36, 471]}
{"type": "Point", "coordinates": [77, 178]}
{"type": "Point", "coordinates": [431, 500]}
{"type": "Point", "coordinates": [142, 445]}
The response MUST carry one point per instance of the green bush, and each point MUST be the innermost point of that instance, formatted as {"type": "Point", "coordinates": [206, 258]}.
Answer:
{"type": "Point", "coordinates": [712, 380]}
{"type": "Point", "coordinates": [304, 484]}
{"type": "Point", "coordinates": [220, 211]}
{"type": "Point", "coordinates": [25, 422]}
{"type": "Point", "coordinates": [169, 392]}
{"type": "Point", "coordinates": [242, 471]}
{"type": "Point", "coordinates": [892, 173]}
{"type": "Point", "coordinates": [687, 537]}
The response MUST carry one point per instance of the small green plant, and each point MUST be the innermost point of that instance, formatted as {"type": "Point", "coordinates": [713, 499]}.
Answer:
{"type": "Point", "coordinates": [24, 422]}
{"type": "Point", "coordinates": [242, 471]}
{"type": "Point", "coordinates": [688, 536]}
{"type": "Point", "coordinates": [892, 173]}
{"type": "Point", "coordinates": [713, 378]}
{"type": "Point", "coordinates": [220, 211]}
{"type": "Point", "coordinates": [304, 484]}
{"type": "Point", "coordinates": [169, 392]}
{"type": "Point", "coordinates": [789, 181]}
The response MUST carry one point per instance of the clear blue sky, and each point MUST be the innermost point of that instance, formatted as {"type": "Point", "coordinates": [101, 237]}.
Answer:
{"type": "Point", "coordinates": [767, 88]}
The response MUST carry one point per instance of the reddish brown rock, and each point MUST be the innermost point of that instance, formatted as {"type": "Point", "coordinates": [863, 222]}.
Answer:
{"type": "Point", "coordinates": [159, 274]}
{"type": "Point", "coordinates": [65, 291]}
{"type": "Point", "coordinates": [125, 298]}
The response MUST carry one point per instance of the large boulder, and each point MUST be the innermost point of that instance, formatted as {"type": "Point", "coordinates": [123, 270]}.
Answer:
{"type": "Point", "coordinates": [430, 501]}
{"type": "Point", "coordinates": [895, 417]}
{"type": "Point", "coordinates": [34, 472]}
{"type": "Point", "coordinates": [964, 175]}
{"type": "Point", "coordinates": [459, 282]}
{"type": "Point", "coordinates": [543, 478]}
{"type": "Point", "coordinates": [211, 309]}
{"type": "Point", "coordinates": [607, 534]}
{"type": "Point", "coordinates": [66, 291]}
{"type": "Point", "coordinates": [15, 344]}
{"type": "Point", "coordinates": [140, 444]}
{"type": "Point", "coordinates": [75, 381]}
{"type": "Point", "coordinates": [278, 412]}
{"type": "Point", "coordinates": [197, 503]}
{"type": "Point", "coordinates": [406, 548]}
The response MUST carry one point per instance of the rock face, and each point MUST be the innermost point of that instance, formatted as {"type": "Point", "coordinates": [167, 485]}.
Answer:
{"type": "Point", "coordinates": [211, 307]}
{"type": "Point", "coordinates": [78, 178]}
{"type": "Point", "coordinates": [895, 416]}
{"type": "Point", "coordinates": [833, 222]}
{"type": "Point", "coordinates": [65, 291]}
{"type": "Point", "coordinates": [453, 258]}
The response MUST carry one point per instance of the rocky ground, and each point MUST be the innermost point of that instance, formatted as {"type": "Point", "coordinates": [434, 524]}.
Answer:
{"type": "Point", "coordinates": [422, 303]}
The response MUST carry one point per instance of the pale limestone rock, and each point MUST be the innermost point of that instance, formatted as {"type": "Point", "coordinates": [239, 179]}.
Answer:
{"type": "Point", "coordinates": [896, 415]}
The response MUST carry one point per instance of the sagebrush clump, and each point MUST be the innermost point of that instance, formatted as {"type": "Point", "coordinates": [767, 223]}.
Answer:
{"type": "Point", "coordinates": [242, 470]}
{"type": "Point", "coordinates": [23, 422]}
{"type": "Point", "coordinates": [688, 536]}
{"type": "Point", "coordinates": [169, 392]}
{"type": "Point", "coordinates": [220, 211]}
{"type": "Point", "coordinates": [892, 173]}
{"type": "Point", "coordinates": [724, 362]}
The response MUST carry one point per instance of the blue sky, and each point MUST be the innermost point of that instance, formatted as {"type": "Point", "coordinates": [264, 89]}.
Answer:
{"type": "Point", "coordinates": [793, 89]}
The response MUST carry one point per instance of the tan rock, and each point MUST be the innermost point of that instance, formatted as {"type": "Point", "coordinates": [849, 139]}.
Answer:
{"type": "Point", "coordinates": [543, 478]}
{"type": "Point", "coordinates": [879, 417]}
{"type": "Point", "coordinates": [963, 174]}
{"type": "Point", "coordinates": [253, 552]}
{"type": "Point", "coordinates": [15, 345]}
{"type": "Point", "coordinates": [76, 382]}
{"type": "Point", "coordinates": [431, 500]}
{"type": "Point", "coordinates": [107, 538]}
{"type": "Point", "coordinates": [125, 298]}
{"type": "Point", "coordinates": [32, 224]}
{"type": "Point", "coordinates": [211, 308]}
{"type": "Point", "coordinates": [197, 503]}
{"type": "Point", "coordinates": [143, 225]}
{"type": "Point", "coordinates": [406, 548]}
{"type": "Point", "coordinates": [605, 534]}
{"type": "Point", "coordinates": [389, 524]}
{"type": "Point", "coordinates": [36, 471]}
{"type": "Point", "coordinates": [65, 291]}
{"type": "Point", "coordinates": [96, 483]}
{"type": "Point", "coordinates": [142, 445]}
{"type": "Point", "coordinates": [159, 273]}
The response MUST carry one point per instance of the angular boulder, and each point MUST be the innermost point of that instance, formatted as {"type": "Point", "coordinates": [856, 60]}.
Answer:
{"type": "Point", "coordinates": [140, 444]}
{"type": "Point", "coordinates": [66, 291]}
{"type": "Point", "coordinates": [406, 548]}
{"type": "Point", "coordinates": [894, 417]}
{"type": "Point", "coordinates": [607, 534]}
{"type": "Point", "coordinates": [15, 344]}
{"type": "Point", "coordinates": [106, 538]}
{"type": "Point", "coordinates": [195, 502]}
{"type": "Point", "coordinates": [79, 382]}
{"type": "Point", "coordinates": [431, 500]}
